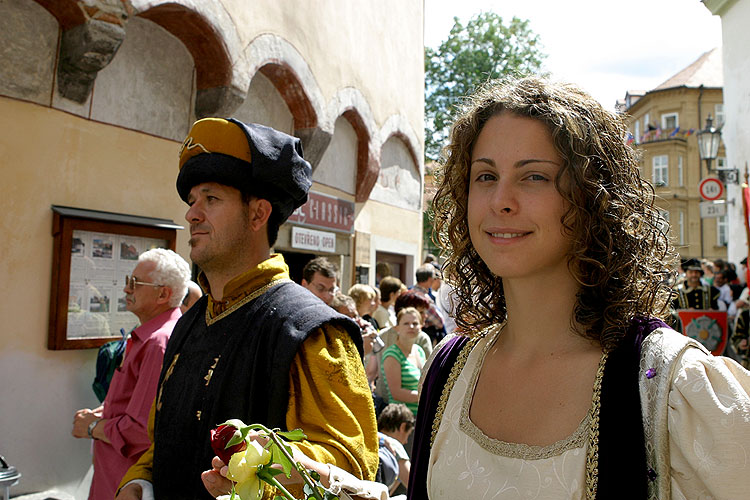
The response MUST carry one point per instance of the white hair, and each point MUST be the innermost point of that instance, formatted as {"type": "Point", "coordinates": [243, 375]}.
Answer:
{"type": "Point", "coordinates": [170, 270]}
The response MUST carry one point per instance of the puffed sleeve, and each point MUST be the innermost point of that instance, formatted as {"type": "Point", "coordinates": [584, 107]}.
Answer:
{"type": "Point", "coordinates": [709, 428]}
{"type": "Point", "coordinates": [330, 399]}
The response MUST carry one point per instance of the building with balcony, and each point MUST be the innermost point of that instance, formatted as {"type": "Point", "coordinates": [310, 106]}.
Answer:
{"type": "Point", "coordinates": [663, 124]}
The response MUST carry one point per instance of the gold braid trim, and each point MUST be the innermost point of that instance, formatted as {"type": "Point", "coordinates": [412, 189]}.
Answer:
{"type": "Point", "coordinates": [257, 293]}
{"type": "Point", "coordinates": [463, 356]}
{"type": "Point", "coordinates": [592, 454]}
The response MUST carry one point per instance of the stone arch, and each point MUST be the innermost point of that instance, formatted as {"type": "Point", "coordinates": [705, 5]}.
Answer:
{"type": "Point", "coordinates": [284, 66]}
{"type": "Point", "coordinates": [399, 126]}
{"type": "Point", "coordinates": [352, 105]}
{"type": "Point", "coordinates": [393, 182]}
{"type": "Point", "coordinates": [209, 34]}
{"type": "Point", "coordinates": [67, 13]}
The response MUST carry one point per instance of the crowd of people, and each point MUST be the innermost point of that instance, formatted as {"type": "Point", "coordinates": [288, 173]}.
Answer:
{"type": "Point", "coordinates": [707, 285]}
{"type": "Point", "coordinates": [542, 368]}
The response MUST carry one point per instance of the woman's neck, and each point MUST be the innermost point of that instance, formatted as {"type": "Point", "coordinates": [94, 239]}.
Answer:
{"type": "Point", "coordinates": [405, 345]}
{"type": "Point", "coordinates": [540, 315]}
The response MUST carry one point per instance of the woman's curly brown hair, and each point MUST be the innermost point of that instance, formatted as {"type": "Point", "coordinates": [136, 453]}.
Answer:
{"type": "Point", "coordinates": [621, 254]}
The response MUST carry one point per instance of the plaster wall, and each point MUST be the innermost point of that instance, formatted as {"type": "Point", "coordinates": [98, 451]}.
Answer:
{"type": "Point", "coordinates": [735, 41]}
{"type": "Point", "coordinates": [148, 86]}
{"type": "Point", "coordinates": [399, 182]}
{"type": "Point", "coordinates": [265, 105]}
{"type": "Point", "coordinates": [49, 155]}
{"type": "Point", "coordinates": [376, 47]}
{"type": "Point", "coordinates": [338, 167]}
{"type": "Point", "coordinates": [27, 54]}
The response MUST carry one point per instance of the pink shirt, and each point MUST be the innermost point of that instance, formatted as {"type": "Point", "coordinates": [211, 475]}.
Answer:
{"type": "Point", "coordinates": [128, 402]}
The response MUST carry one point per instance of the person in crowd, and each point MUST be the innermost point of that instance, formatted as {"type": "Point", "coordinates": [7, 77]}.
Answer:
{"type": "Point", "coordinates": [153, 293]}
{"type": "Point", "coordinates": [426, 276]}
{"type": "Point", "coordinates": [395, 425]}
{"type": "Point", "coordinates": [257, 346]}
{"type": "Point", "coordinates": [694, 295]}
{"type": "Point", "coordinates": [194, 293]}
{"type": "Point", "coordinates": [366, 299]}
{"type": "Point", "coordinates": [403, 360]}
{"type": "Point", "coordinates": [346, 305]}
{"type": "Point", "coordinates": [390, 289]}
{"type": "Point", "coordinates": [721, 283]}
{"type": "Point", "coordinates": [388, 336]}
{"type": "Point", "coordinates": [707, 278]}
{"type": "Point", "coordinates": [540, 187]}
{"type": "Point", "coordinates": [409, 298]}
{"type": "Point", "coordinates": [741, 337]}
{"type": "Point", "coordinates": [319, 276]}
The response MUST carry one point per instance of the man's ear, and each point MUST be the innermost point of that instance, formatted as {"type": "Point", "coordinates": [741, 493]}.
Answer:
{"type": "Point", "coordinates": [165, 293]}
{"type": "Point", "coordinates": [260, 211]}
{"type": "Point", "coordinates": [304, 282]}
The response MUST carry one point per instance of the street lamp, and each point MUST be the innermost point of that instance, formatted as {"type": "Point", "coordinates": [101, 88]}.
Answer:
{"type": "Point", "coordinates": [708, 143]}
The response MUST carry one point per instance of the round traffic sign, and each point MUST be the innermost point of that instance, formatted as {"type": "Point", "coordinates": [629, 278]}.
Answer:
{"type": "Point", "coordinates": [711, 189]}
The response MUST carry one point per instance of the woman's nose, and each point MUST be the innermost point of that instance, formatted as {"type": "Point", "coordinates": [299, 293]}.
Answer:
{"type": "Point", "coordinates": [503, 199]}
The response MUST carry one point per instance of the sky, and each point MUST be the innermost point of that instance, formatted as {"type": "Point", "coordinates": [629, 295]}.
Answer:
{"type": "Point", "coordinates": [606, 47]}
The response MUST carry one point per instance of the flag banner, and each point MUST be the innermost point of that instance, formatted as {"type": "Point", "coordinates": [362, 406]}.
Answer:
{"type": "Point", "coordinates": [707, 327]}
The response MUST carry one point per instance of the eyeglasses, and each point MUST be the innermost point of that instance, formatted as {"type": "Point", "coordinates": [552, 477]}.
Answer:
{"type": "Point", "coordinates": [131, 282]}
{"type": "Point", "coordinates": [322, 289]}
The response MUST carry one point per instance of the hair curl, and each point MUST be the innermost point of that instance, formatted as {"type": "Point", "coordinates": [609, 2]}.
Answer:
{"type": "Point", "coordinates": [621, 255]}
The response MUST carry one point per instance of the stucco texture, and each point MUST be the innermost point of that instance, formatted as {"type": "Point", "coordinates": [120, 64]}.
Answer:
{"type": "Point", "coordinates": [48, 158]}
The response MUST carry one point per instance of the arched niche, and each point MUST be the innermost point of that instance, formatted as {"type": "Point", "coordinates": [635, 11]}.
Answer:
{"type": "Point", "coordinates": [338, 166]}
{"type": "Point", "coordinates": [265, 105]}
{"type": "Point", "coordinates": [29, 35]}
{"type": "Point", "coordinates": [399, 181]}
{"type": "Point", "coordinates": [148, 86]}
{"type": "Point", "coordinates": [221, 75]}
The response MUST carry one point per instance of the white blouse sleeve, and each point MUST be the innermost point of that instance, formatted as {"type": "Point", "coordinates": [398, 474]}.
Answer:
{"type": "Point", "coordinates": [709, 428]}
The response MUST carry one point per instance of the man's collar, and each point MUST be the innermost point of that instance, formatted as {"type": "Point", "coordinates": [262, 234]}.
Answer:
{"type": "Point", "coordinates": [270, 270]}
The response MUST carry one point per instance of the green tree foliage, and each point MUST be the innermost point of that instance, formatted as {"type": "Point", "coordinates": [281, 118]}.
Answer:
{"type": "Point", "coordinates": [484, 49]}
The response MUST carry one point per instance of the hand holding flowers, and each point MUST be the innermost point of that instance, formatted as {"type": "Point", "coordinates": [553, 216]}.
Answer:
{"type": "Point", "coordinates": [248, 455]}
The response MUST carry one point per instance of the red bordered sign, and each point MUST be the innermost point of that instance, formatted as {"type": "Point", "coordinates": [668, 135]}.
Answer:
{"type": "Point", "coordinates": [711, 189]}
{"type": "Point", "coordinates": [707, 327]}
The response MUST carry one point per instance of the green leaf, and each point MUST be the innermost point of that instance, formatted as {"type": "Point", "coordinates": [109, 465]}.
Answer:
{"type": "Point", "coordinates": [278, 457]}
{"type": "Point", "coordinates": [293, 435]}
{"type": "Point", "coordinates": [236, 422]}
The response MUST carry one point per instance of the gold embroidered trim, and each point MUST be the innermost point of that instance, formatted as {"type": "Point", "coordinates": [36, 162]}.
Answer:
{"type": "Point", "coordinates": [257, 293]}
{"type": "Point", "coordinates": [592, 454]}
{"type": "Point", "coordinates": [452, 377]}
{"type": "Point", "coordinates": [515, 450]}
{"type": "Point", "coordinates": [591, 420]}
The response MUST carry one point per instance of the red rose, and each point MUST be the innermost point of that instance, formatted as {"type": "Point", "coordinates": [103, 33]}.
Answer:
{"type": "Point", "coordinates": [219, 439]}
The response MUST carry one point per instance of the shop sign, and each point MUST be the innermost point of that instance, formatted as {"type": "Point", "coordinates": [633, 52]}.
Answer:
{"type": "Point", "coordinates": [325, 212]}
{"type": "Point", "coordinates": [310, 239]}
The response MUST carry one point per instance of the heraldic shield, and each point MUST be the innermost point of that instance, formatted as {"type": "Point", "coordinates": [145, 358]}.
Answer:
{"type": "Point", "coordinates": [707, 327]}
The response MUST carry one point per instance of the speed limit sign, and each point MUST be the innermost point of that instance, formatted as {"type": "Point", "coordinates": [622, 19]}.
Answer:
{"type": "Point", "coordinates": [711, 189]}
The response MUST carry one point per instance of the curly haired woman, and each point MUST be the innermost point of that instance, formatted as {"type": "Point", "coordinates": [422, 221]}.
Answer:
{"type": "Point", "coordinates": [564, 382]}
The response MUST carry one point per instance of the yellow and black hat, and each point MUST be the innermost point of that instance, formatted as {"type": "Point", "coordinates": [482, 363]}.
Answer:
{"type": "Point", "coordinates": [255, 159]}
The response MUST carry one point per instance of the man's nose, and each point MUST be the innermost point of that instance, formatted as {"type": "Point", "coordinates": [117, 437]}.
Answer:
{"type": "Point", "coordinates": [194, 213]}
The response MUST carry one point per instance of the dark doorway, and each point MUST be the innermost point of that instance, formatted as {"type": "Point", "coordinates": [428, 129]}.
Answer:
{"type": "Point", "coordinates": [296, 261]}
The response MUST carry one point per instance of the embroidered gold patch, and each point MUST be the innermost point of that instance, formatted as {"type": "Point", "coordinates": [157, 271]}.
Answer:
{"type": "Point", "coordinates": [210, 373]}
{"type": "Point", "coordinates": [166, 377]}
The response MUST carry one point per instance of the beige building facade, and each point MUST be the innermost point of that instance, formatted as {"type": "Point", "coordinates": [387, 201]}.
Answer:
{"type": "Point", "coordinates": [663, 124]}
{"type": "Point", "coordinates": [96, 97]}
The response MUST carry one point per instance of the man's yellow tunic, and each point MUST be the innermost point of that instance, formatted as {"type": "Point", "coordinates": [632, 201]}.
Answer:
{"type": "Point", "coordinates": [328, 392]}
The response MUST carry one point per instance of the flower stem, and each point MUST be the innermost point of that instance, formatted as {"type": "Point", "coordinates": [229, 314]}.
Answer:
{"type": "Point", "coordinates": [276, 484]}
{"type": "Point", "coordinates": [298, 466]}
